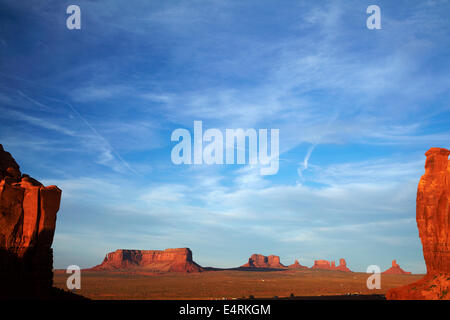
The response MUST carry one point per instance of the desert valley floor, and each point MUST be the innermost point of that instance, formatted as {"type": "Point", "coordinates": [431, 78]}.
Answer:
{"type": "Point", "coordinates": [228, 284]}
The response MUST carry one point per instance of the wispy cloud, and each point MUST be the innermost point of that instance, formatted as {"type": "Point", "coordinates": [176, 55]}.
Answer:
{"type": "Point", "coordinates": [36, 121]}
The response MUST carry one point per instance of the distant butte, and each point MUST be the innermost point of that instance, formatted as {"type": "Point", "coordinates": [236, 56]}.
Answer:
{"type": "Point", "coordinates": [260, 261]}
{"type": "Point", "coordinates": [169, 260]}
{"type": "Point", "coordinates": [395, 269]}
{"type": "Point", "coordinates": [297, 265]}
{"type": "Point", "coordinates": [327, 265]}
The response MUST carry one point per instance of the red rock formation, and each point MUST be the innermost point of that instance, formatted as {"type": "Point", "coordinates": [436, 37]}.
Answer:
{"type": "Point", "coordinates": [297, 265]}
{"type": "Point", "coordinates": [322, 264]}
{"type": "Point", "coordinates": [260, 261]}
{"type": "Point", "coordinates": [433, 221]}
{"type": "Point", "coordinates": [169, 260]}
{"type": "Point", "coordinates": [432, 211]}
{"type": "Point", "coordinates": [27, 225]}
{"type": "Point", "coordinates": [326, 265]}
{"type": "Point", "coordinates": [343, 266]}
{"type": "Point", "coordinates": [395, 269]}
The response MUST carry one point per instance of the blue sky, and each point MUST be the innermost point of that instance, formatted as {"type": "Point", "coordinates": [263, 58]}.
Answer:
{"type": "Point", "coordinates": [92, 111]}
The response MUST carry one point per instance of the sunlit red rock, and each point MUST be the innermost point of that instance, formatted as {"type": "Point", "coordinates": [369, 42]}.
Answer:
{"type": "Point", "coordinates": [27, 225]}
{"type": "Point", "coordinates": [169, 260]}
{"type": "Point", "coordinates": [260, 261]}
{"type": "Point", "coordinates": [433, 221]}
{"type": "Point", "coordinates": [395, 269]}
{"type": "Point", "coordinates": [432, 211]}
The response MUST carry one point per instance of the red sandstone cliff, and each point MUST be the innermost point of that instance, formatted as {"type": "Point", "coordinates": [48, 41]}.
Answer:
{"type": "Point", "coordinates": [169, 260]}
{"type": "Point", "coordinates": [326, 265]}
{"type": "Point", "coordinates": [433, 222]}
{"type": "Point", "coordinates": [297, 265]}
{"type": "Point", "coordinates": [260, 261]}
{"type": "Point", "coordinates": [395, 269]}
{"type": "Point", "coordinates": [27, 225]}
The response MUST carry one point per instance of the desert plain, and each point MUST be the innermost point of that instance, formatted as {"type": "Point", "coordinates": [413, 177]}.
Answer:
{"type": "Point", "coordinates": [229, 284]}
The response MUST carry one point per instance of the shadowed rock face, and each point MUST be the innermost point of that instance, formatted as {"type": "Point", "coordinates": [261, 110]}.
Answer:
{"type": "Point", "coordinates": [260, 261]}
{"type": "Point", "coordinates": [327, 265]}
{"type": "Point", "coordinates": [27, 225]}
{"type": "Point", "coordinates": [395, 269]}
{"type": "Point", "coordinates": [169, 260]}
{"type": "Point", "coordinates": [433, 222]}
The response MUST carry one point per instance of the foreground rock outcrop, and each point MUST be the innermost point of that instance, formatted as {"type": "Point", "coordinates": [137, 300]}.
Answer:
{"type": "Point", "coordinates": [27, 225]}
{"type": "Point", "coordinates": [266, 262]}
{"type": "Point", "coordinates": [433, 222]}
{"type": "Point", "coordinates": [327, 265]}
{"type": "Point", "coordinates": [395, 269]}
{"type": "Point", "coordinates": [169, 260]}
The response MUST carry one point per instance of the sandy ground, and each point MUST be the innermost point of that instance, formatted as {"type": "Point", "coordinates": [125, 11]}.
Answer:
{"type": "Point", "coordinates": [228, 284]}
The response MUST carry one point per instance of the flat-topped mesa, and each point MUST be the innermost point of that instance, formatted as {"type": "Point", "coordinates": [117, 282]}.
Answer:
{"type": "Point", "coordinates": [169, 260]}
{"type": "Point", "coordinates": [433, 222]}
{"type": "Point", "coordinates": [260, 261]}
{"type": "Point", "coordinates": [27, 225]}
{"type": "Point", "coordinates": [297, 265]}
{"type": "Point", "coordinates": [326, 265]}
{"type": "Point", "coordinates": [395, 269]}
